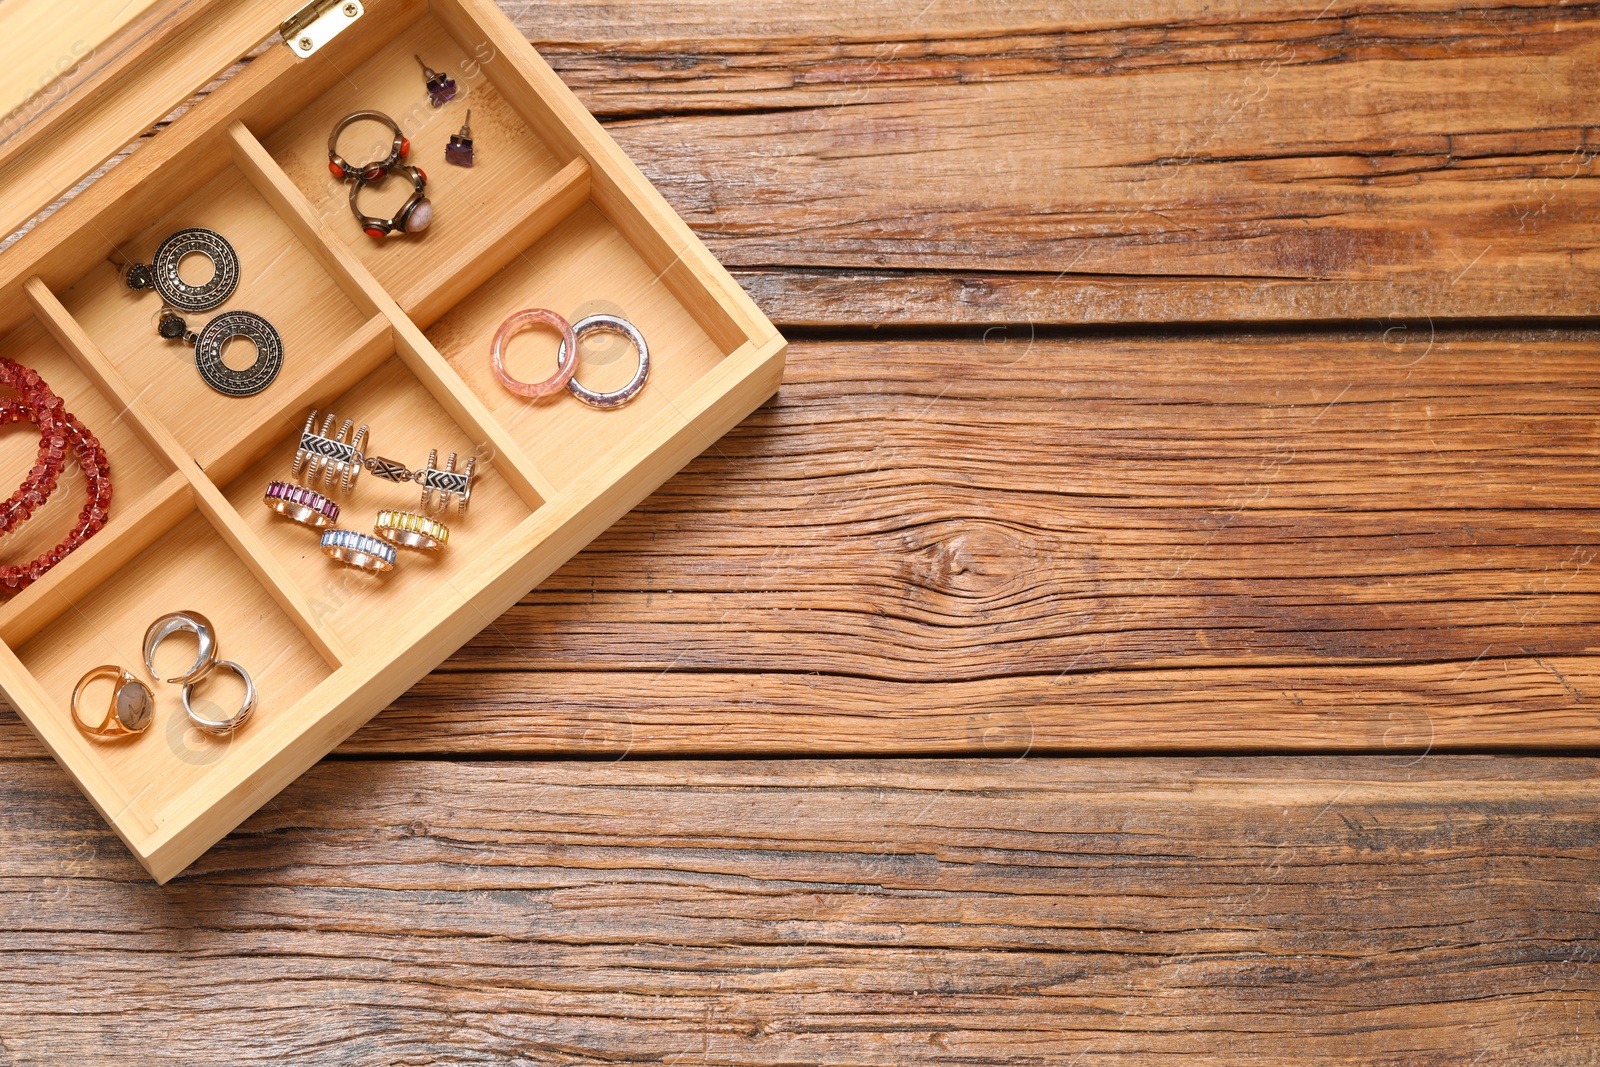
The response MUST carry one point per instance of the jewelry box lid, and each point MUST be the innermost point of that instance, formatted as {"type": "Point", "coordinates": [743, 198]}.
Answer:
{"type": "Point", "coordinates": [106, 91]}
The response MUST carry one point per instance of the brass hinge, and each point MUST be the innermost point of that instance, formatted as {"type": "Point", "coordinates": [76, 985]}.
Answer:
{"type": "Point", "coordinates": [317, 23]}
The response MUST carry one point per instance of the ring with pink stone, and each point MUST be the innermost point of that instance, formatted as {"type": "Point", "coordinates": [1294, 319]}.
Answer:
{"type": "Point", "coordinates": [305, 506]}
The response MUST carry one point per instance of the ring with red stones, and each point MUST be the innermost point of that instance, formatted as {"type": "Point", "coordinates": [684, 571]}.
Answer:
{"type": "Point", "coordinates": [374, 171]}
{"type": "Point", "coordinates": [413, 216]}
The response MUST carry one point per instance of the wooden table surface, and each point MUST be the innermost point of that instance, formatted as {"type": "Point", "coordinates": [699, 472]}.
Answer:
{"type": "Point", "coordinates": [1155, 618]}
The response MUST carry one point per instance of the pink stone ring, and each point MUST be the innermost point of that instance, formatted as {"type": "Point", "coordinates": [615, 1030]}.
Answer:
{"type": "Point", "coordinates": [522, 320]}
{"type": "Point", "coordinates": [305, 506]}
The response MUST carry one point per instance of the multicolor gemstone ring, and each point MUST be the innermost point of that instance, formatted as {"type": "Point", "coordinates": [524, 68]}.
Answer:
{"type": "Point", "coordinates": [300, 504]}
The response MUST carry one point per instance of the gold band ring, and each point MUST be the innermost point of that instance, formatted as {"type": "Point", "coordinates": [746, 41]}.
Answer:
{"type": "Point", "coordinates": [130, 710]}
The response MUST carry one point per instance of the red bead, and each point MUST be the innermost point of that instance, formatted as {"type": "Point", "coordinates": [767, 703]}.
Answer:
{"type": "Point", "coordinates": [373, 232]}
{"type": "Point", "coordinates": [405, 147]}
{"type": "Point", "coordinates": [338, 171]}
{"type": "Point", "coordinates": [59, 430]}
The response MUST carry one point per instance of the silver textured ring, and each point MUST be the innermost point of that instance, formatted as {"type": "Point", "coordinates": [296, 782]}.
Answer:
{"type": "Point", "coordinates": [301, 504]}
{"type": "Point", "coordinates": [190, 622]}
{"type": "Point", "coordinates": [614, 324]}
{"type": "Point", "coordinates": [336, 459]}
{"type": "Point", "coordinates": [358, 550]}
{"type": "Point", "coordinates": [237, 719]}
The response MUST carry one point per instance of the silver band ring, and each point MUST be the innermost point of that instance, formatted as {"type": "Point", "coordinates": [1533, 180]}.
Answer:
{"type": "Point", "coordinates": [228, 725]}
{"type": "Point", "coordinates": [358, 550]}
{"type": "Point", "coordinates": [333, 458]}
{"type": "Point", "coordinates": [190, 622]}
{"type": "Point", "coordinates": [615, 324]}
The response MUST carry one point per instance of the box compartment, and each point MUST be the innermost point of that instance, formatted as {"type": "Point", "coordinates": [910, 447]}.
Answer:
{"type": "Point", "coordinates": [190, 567]}
{"type": "Point", "coordinates": [280, 279]}
{"type": "Point", "coordinates": [583, 267]}
{"type": "Point", "coordinates": [369, 611]}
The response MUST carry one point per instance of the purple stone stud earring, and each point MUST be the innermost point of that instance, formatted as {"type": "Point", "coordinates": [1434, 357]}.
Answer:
{"type": "Point", "coordinates": [441, 90]}
{"type": "Point", "coordinates": [459, 150]}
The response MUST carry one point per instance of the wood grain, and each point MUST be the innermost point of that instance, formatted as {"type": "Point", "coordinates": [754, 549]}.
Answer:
{"type": "Point", "coordinates": [45, 43]}
{"type": "Point", "coordinates": [1327, 542]}
{"type": "Point", "coordinates": [1358, 541]}
{"type": "Point", "coordinates": [524, 529]}
{"type": "Point", "coordinates": [985, 541]}
{"type": "Point", "coordinates": [917, 164]}
{"type": "Point", "coordinates": [1276, 911]}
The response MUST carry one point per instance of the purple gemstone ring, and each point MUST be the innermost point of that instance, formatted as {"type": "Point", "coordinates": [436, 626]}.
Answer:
{"type": "Point", "coordinates": [305, 506]}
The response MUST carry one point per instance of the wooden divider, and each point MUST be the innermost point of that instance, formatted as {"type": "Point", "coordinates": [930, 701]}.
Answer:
{"type": "Point", "coordinates": [435, 373]}
{"type": "Point", "coordinates": [366, 349]}
{"type": "Point", "coordinates": [244, 541]}
{"type": "Point", "coordinates": [619, 189]}
{"type": "Point", "coordinates": [496, 242]}
{"type": "Point", "coordinates": [131, 529]}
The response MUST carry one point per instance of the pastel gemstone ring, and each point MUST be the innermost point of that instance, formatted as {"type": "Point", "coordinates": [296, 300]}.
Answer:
{"type": "Point", "coordinates": [301, 504]}
{"type": "Point", "coordinates": [358, 550]}
{"type": "Point", "coordinates": [514, 325]}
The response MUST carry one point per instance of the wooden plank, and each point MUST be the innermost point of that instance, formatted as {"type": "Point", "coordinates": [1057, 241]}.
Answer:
{"type": "Point", "coordinates": [729, 31]}
{"type": "Point", "coordinates": [1299, 542]}
{"type": "Point", "coordinates": [113, 93]}
{"type": "Point", "coordinates": [1325, 542]}
{"type": "Point", "coordinates": [44, 43]}
{"type": "Point", "coordinates": [1158, 208]}
{"type": "Point", "coordinates": [1026, 163]}
{"type": "Point", "coordinates": [1277, 911]}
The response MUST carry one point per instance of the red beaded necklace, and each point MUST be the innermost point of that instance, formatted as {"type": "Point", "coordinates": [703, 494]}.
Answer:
{"type": "Point", "coordinates": [58, 429]}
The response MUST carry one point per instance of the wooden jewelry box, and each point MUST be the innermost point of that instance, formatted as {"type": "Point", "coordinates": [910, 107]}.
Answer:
{"type": "Point", "coordinates": [393, 333]}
